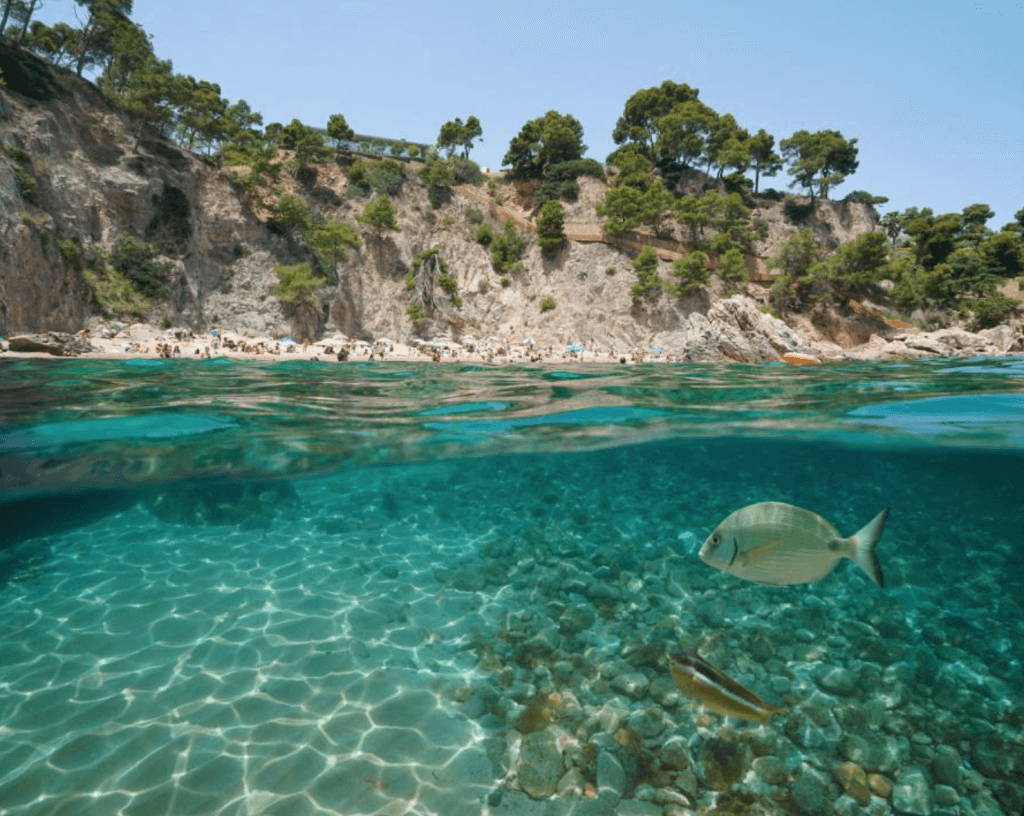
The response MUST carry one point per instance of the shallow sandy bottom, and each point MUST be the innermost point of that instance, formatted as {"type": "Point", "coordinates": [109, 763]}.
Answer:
{"type": "Point", "coordinates": [153, 668]}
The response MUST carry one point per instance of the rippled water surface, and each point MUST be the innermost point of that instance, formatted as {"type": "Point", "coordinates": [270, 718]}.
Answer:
{"type": "Point", "coordinates": [383, 588]}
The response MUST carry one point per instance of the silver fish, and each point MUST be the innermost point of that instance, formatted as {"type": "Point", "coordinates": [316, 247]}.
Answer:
{"type": "Point", "coordinates": [776, 543]}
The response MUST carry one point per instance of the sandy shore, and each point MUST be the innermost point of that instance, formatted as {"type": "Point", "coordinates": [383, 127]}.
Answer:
{"type": "Point", "coordinates": [142, 341]}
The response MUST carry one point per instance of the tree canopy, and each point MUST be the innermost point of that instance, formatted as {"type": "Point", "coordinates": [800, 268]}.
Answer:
{"type": "Point", "coordinates": [550, 139]}
{"type": "Point", "coordinates": [820, 160]}
{"type": "Point", "coordinates": [457, 133]}
{"type": "Point", "coordinates": [338, 130]}
{"type": "Point", "coordinates": [646, 120]}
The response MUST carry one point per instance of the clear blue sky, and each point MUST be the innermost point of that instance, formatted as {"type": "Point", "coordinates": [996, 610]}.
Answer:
{"type": "Point", "coordinates": [932, 89]}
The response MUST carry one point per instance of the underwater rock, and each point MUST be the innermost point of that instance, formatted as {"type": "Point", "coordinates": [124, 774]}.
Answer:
{"type": "Point", "coordinates": [880, 785]}
{"type": "Point", "coordinates": [810, 792]}
{"type": "Point", "coordinates": [572, 784]}
{"type": "Point", "coordinates": [576, 618]}
{"type": "Point", "coordinates": [632, 807]}
{"type": "Point", "coordinates": [912, 792]}
{"type": "Point", "coordinates": [540, 764]}
{"type": "Point", "coordinates": [984, 805]}
{"type": "Point", "coordinates": [651, 655]}
{"type": "Point", "coordinates": [611, 778]}
{"type": "Point", "coordinates": [996, 757]}
{"type": "Point", "coordinates": [664, 692]}
{"type": "Point", "coordinates": [770, 769]}
{"type": "Point", "coordinates": [803, 733]}
{"type": "Point", "coordinates": [648, 722]}
{"type": "Point", "coordinates": [839, 681]}
{"type": "Point", "coordinates": [675, 755]}
{"type": "Point", "coordinates": [602, 594]}
{"type": "Point", "coordinates": [632, 684]}
{"type": "Point", "coordinates": [539, 647]}
{"type": "Point", "coordinates": [670, 796]}
{"type": "Point", "coordinates": [945, 796]}
{"type": "Point", "coordinates": [610, 716]}
{"type": "Point", "coordinates": [854, 781]}
{"type": "Point", "coordinates": [725, 760]}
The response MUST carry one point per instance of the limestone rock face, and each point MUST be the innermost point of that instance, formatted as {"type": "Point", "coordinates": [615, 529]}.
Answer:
{"type": "Point", "coordinates": [98, 175]}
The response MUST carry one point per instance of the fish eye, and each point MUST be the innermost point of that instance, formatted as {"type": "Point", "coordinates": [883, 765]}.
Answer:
{"type": "Point", "coordinates": [715, 538]}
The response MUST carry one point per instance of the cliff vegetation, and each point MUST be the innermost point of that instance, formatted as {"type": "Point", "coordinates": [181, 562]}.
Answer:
{"type": "Point", "coordinates": [146, 195]}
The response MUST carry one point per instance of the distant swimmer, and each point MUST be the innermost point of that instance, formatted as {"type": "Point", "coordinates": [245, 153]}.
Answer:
{"type": "Point", "coordinates": [714, 689]}
{"type": "Point", "coordinates": [776, 543]}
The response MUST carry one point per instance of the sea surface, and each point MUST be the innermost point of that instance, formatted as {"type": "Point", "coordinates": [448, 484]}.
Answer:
{"type": "Point", "coordinates": [382, 588]}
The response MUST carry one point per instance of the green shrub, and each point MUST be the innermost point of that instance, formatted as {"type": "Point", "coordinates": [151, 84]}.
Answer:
{"type": "Point", "coordinates": [114, 293]}
{"type": "Point", "coordinates": [448, 284]}
{"type": "Point", "coordinates": [796, 212]}
{"type": "Point", "coordinates": [26, 185]}
{"type": "Point", "coordinates": [692, 272]}
{"type": "Point", "coordinates": [290, 215]}
{"type": "Point", "coordinates": [547, 304]}
{"type": "Point", "coordinates": [416, 312]}
{"type": "Point", "coordinates": [474, 216]}
{"type": "Point", "coordinates": [733, 267]}
{"type": "Point", "coordinates": [136, 260]}
{"type": "Point", "coordinates": [297, 284]}
{"type": "Point", "coordinates": [484, 235]}
{"type": "Point", "coordinates": [71, 251]}
{"type": "Point", "coordinates": [992, 310]}
{"type": "Point", "coordinates": [550, 227]}
{"type": "Point", "coordinates": [358, 178]}
{"type": "Point", "coordinates": [507, 250]}
{"type": "Point", "coordinates": [380, 214]}
{"type": "Point", "coordinates": [19, 154]}
{"type": "Point", "coordinates": [649, 283]}
{"type": "Point", "coordinates": [386, 176]}
{"type": "Point", "coordinates": [465, 171]}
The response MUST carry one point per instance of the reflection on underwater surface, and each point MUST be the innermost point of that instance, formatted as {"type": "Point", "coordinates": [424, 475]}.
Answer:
{"type": "Point", "coordinates": [444, 621]}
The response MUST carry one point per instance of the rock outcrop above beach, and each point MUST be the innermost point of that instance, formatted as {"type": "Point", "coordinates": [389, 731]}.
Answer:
{"type": "Point", "coordinates": [78, 174]}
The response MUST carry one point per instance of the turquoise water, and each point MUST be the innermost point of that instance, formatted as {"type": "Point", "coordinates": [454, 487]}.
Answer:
{"type": "Point", "coordinates": [300, 588]}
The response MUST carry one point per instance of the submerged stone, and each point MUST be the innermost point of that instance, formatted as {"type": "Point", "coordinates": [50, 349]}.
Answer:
{"type": "Point", "coordinates": [854, 781]}
{"type": "Point", "coordinates": [611, 778]}
{"type": "Point", "coordinates": [726, 759]}
{"type": "Point", "coordinates": [810, 792]}
{"type": "Point", "coordinates": [540, 764]}
{"type": "Point", "coordinates": [912, 792]}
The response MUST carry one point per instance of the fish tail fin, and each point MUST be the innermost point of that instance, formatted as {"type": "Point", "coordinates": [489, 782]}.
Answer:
{"type": "Point", "coordinates": [770, 711]}
{"type": "Point", "coordinates": [864, 547]}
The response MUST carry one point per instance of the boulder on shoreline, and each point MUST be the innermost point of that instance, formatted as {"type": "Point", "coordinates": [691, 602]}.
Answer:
{"type": "Point", "coordinates": [59, 344]}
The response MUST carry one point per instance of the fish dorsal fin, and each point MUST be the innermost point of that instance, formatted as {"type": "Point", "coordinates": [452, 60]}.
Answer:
{"type": "Point", "coordinates": [758, 555]}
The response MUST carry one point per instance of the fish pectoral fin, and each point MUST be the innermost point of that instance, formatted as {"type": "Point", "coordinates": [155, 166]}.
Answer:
{"type": "Point", "coordinates": [759, 554]}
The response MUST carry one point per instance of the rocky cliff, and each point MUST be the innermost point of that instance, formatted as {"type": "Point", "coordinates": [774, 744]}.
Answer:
{"type": "Point", "coordinates": [76, 169]}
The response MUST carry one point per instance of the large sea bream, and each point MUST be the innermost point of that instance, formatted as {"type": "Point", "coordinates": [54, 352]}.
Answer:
{"type": "Point", "coordinates": [777, 543]}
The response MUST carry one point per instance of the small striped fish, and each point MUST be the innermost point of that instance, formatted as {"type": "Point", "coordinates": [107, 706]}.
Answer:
{"type": "Point", "coordinates": [697, 678]}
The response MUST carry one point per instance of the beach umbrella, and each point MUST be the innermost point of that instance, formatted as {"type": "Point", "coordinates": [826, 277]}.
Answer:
{"type": "Point", "coordinates": [657, 349]}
